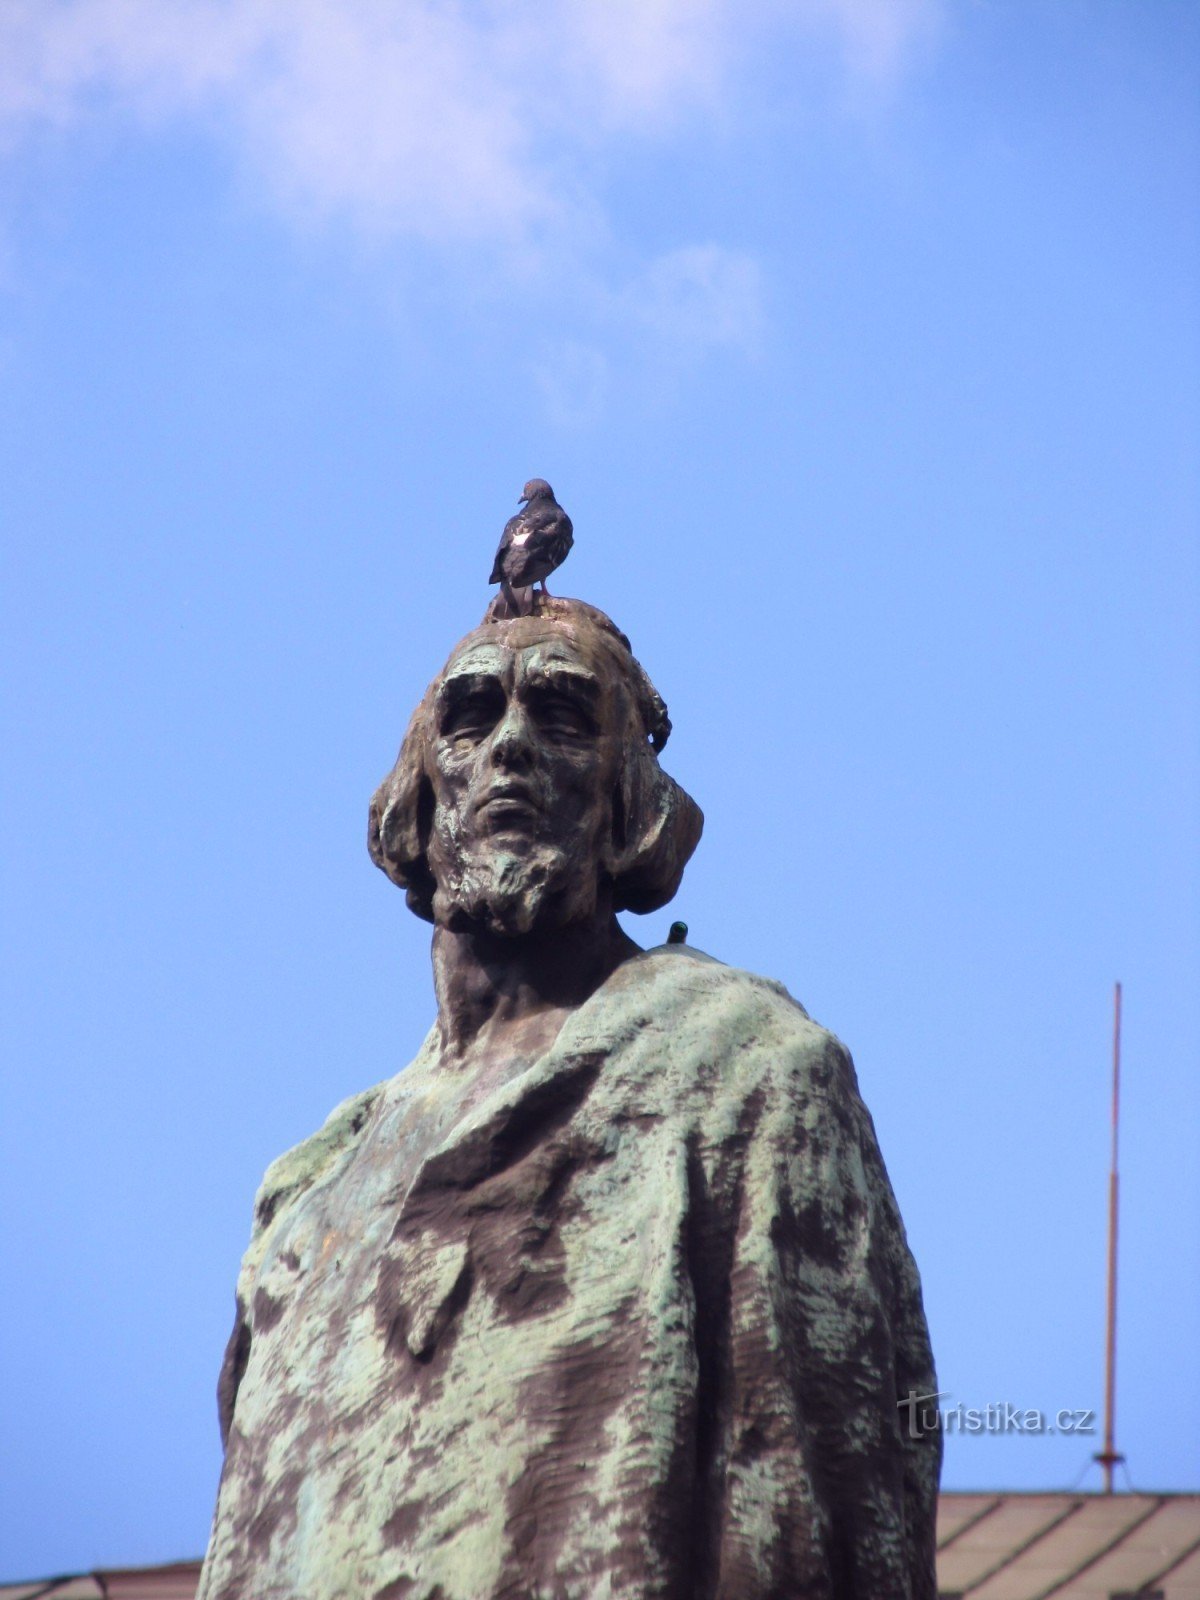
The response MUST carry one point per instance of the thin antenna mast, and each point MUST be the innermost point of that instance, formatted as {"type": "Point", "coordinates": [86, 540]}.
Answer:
{"type": "Point", "coordinates": [1108, 1457]}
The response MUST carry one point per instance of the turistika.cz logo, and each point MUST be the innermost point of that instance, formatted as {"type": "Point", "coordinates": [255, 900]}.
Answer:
{"type": "Point", "coordinates": [922, 1413]}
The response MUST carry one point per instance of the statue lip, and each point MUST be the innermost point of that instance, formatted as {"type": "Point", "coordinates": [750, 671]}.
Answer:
{"type": "Point", "coordinates": [509, 803]}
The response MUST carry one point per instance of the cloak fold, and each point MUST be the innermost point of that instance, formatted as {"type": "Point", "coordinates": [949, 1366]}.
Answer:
{"type": "Point", "coordinates": [636, 1325]}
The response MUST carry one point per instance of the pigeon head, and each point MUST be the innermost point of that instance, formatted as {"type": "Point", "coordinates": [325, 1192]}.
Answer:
{"type": "Point", "coordinates": [536, 489]}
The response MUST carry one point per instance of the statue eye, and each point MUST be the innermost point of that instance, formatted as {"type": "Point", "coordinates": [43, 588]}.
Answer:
{"type": "Point", "coordinates": [472, 717]}
{"type": "Point", "coordinates": [560, 716]}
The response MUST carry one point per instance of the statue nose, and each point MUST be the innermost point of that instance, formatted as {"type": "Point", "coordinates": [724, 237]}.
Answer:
{"type": "Point", "coordinates": [511, 742]}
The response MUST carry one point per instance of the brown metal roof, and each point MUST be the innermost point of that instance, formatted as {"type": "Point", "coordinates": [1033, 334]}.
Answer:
{"type": "Point", "coordinates": [990, 1547]}
{"type": "Point", "coordinates": [175, 1582]}
{"type": "Point", "coordinates": [1068, 1546]}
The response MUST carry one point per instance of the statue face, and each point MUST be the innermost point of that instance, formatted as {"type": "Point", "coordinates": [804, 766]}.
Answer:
{"type": "Point", "coordinates": [525, 755]}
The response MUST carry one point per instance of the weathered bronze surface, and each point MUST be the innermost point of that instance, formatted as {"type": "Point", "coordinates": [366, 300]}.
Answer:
{"type": "Point", "coordinates": [606, 1294]}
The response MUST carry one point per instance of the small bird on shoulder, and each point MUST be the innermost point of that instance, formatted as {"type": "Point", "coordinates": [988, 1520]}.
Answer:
{"type": "Point", "coordinates": [534, 542]}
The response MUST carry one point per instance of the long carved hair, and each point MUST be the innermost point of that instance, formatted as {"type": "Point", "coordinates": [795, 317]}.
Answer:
{"type": "Point", "coordinates": [656, 825]}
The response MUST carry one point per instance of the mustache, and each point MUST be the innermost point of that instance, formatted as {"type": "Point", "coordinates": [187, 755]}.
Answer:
{"type": "Point", "coordinates": [508, 793]}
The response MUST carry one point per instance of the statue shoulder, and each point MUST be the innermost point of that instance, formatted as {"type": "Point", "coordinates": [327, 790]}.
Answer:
{"type": "Point", "coordinates": [753, 1024]}
{"type": "Point", "coordinates": [683, 979]}
{"type": "Point", "coordinates": [286, 1179]}
{"type": "Point", "coordinates": [290, 1174]}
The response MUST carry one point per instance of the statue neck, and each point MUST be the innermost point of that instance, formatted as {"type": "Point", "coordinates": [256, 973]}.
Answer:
{"type": "Point", "coordinates": [499, 994]}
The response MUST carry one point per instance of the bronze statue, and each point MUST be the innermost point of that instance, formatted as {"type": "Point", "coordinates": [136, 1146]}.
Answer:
{"type": "Point", "coordinates": [606, 1294]}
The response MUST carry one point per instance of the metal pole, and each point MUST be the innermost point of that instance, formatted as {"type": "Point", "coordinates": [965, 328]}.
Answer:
{"type": "Point", "coordinates": [1108, 1457]}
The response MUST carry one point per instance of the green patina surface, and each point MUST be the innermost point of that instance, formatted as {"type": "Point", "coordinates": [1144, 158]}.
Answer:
{"type": "Point", "coordinates": [635, 1324]}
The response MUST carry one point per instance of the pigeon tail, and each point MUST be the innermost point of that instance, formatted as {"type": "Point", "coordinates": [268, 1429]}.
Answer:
{"type": "Point", "coordinates": [517, 601]}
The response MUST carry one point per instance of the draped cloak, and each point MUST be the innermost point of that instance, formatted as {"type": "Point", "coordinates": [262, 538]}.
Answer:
{"type": "Point", "coordinates": [640, 1322]}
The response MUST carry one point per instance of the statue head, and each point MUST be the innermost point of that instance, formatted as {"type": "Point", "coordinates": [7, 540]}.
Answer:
{"type": "Point", "coordinates": [527, 792]}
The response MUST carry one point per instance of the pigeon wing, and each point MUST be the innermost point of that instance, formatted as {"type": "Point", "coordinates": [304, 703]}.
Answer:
{"type": "Point", "coordinates": [551, 535]}
{"type": "Point", "coordinates": [506, 539]}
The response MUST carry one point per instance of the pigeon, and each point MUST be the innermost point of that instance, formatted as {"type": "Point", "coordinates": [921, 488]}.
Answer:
{"type": "Point", "coordinates": [533, 543]}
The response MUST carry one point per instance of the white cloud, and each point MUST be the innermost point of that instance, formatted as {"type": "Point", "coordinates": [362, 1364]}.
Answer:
{"type": "Point", "coordinates": [701, 297]}
{"type": "Point", "coordinates": [393, 116]}
{"type": "Point", "coordinates": [878, 36]}
{"type": "Point", "coordinates": [639, 62]}
{"type": "Point", "coordinates": [412, 115]}
{"type": "Point", "coordinates": [450, 123]}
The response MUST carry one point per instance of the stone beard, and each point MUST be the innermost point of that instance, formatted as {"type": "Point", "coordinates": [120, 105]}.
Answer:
{"type": "Point", "coordinates": [510, 829]}
{"type": "Point", "coordinates": [527, 793]}
{"type": "Point", "coordinates": [606, 1294]}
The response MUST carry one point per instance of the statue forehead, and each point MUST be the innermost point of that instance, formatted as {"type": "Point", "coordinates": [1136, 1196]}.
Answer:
{"type": "Point", "coordinates": [527, 645]}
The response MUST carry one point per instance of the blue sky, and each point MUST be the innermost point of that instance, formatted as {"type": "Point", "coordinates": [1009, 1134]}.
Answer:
{"type": "Point", "coordinates": [860, 339]}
